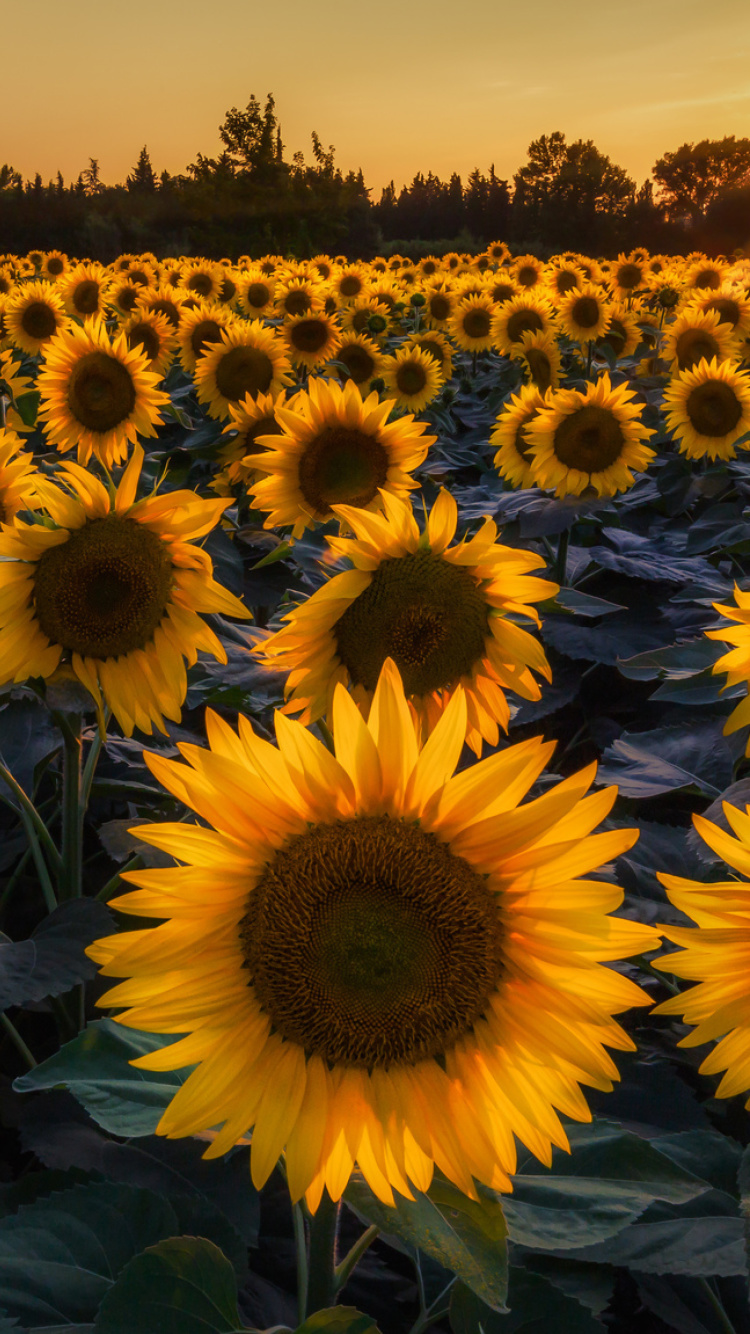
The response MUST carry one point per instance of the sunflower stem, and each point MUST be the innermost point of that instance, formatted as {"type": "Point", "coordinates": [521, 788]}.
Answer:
{"type": "Point", "coordinates": [42, 870]}
{"type": "Point", "coordinates": [561, 559]}
{"type": "Point", "coordinates": [33, 817]}
{"type": "Point", "coordinates": [474, 362]}
{"type": "Point", "coordinates": [72, 806]}
{"type": "Point", "coordinates": [321, 1258]}
{"type": "Point", "coordinates": [352, 1258]}
{"type": "Point", "coordinates": [717, 1307]}
{"type": "Point", "coordinates": [134, 864]}
{"type": "Point", "coordinates": [300, 1241]}
{"type": "Point", "coordinates": [18, 1041]}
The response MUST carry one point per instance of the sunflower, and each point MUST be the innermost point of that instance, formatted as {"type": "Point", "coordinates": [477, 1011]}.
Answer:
{"type": "Point", "coordinates": [589, 440]}
{"type": "Point", "coordinates": [528, 271]}
{"type": "Point", "coordinates": [54, 265]}
{"type": "Point", "coordinates": [18, 477]}
{"type": "Point", "coordinates": [84, 289]}
{"type": "Point", "coordinates": [250, 359]}
{"type": "Point", "coordinates": [697, 334]}
{"type": "Point", "coordinates": [542, 359]}
{"type": "Point", "coordinates": [97, 393]}
{"type": "Point", "coordinates": [513, 459]}
{"type": "Point", "coordinates": [498, 252]}
{"type": "Point", "coordinates": [705, 273]}
{"type": "Point", "coordinates": [366, 315]}
{"type": "Point", "coordinates": [200, 329]}
{"type": "Point", "coordinates": [413, 377]}
{"type": "Point", "coordinates": [501, 288]}
{"type": "Point", "coordinates": [228, 289]}
{"type": "Point", "coordinates": [529, 312]}
{"type": "Point", "coordinates": [471, 323]}
{"type": "Point", "coordinates": [336, 449]}
{"type": "Point", "coordinates": [715, 954]}
{"type": "Point", "coordinates": [255, 293]}
{"type": "Point", "coordinates": [627, 276]}
{"type": "Point", "coordinates": [124, 295]}
{"type": "Point", "coordinates": [731, 304]}
{"type": "Point", "coordinates": [164, 300]}
{"type": "Point", "coordinates": [150, 332]}
{"type": "Point", "coordinates": [584, 314]}
{"type": "Point", "coordinates": [298, 296]}
{"type": "Point", "coordinates": [34, 313]}
{"type": "Point", "coordinates": [737, 661]}
{"type": "Point", "coordinates": [203, 280]}
{"type": "Point", "coordinates": [115, 586]}
{"type": "Point", "coordinates": [708, 409]}
{"type": "Point", "coordinates": [440, 305]}
{"type": "Point", "coordinates": [624, 333]}
{"type": "Point", "coordinates": [349, 282]}
{"type": "Point", "coordinates": [248, 420]}
{"type": "Point", "coordinates": [361, 957]}
{"type": "Point", "coordinates": [360, 358]}
{"type": "Point", "coordinates": [563, 277]}
{"type": "Point", "coordinates": [311, 339]}
{"type": "Point", "coordinates": [438, 347]}
{"type": "Point", "coordinates": [15, 386]}
{"type": "Point", "coordinates": [323, 266]}
{"type": "Point", "coordinates": [441, 613]}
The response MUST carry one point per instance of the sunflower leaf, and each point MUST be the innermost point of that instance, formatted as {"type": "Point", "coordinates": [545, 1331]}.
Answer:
{"type": "Point", "coordinates": [338, 1320]}
{"type": "Point", "coordinates": [182, 1285]}
{"type": "Point", "coordinates": [52, 960]}
{"type": "Point", "coordinates": [534, 1305]}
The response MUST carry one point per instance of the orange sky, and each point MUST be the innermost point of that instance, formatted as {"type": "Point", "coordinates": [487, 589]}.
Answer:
{"type": "Point", "coordinates": [397, 89]}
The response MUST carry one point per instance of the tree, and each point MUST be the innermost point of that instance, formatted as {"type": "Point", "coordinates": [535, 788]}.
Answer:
{"type": "Point", "coordinates": [570, 194]}
{"type": "Point", "coordinates": [10, 179]}
{"type": "Point", "coordinates": [143, 179]}
{"type": "Point", "coordinates": [253, 141]}
{"type": "Point", "coordinates": [693, 177]}
{"type": "Point", "coordinates": [89, 178]}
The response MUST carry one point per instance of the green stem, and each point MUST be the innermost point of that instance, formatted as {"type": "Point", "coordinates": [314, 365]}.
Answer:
{"type": "Point", "coordinates": [42, 870]}
{"type": "Point", "coordinates": [561, 559]}
{"type": "Point", "coordinates": [134, 864]}
{"type": "Point", "coordinates": [13, 881]}
{"type": "Point", "coordinates": [321, 1285]}
{"type": "Point", "coordinates": [18, 1041]}
{"type": "Point", "coordinates": [352, 1258]}
{"type": "Point", "coordinates": [32, 814]}
{"type": "Point", "coordinates": [92, 759]}
{"type": "Point", "coordinates": [474, 362]}
{"type": "Point", "coordinates": [718, 1309]}
{"type": "Point", "coordinates": [300, 1241]}
{"type": "Point", "coordinates": [72, 810]}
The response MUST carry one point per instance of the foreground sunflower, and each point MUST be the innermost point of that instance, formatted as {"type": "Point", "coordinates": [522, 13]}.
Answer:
{"type": "Point", "coordinates": [336, 448]}
{"type": "Point", "coordinates": [589, 440]}
{"type": "Point", "coordinates": [442, 613]}
{"type": "Point", "coordinates": [697, 334]}
{"type": "Point", "coordinates": [374, 962]}
{"type": "Point", "coordinates": [514, 460]}
{"type": "Point", "coordinates": [715, 954]}
{"type": "Point", "coordinates": [97, 393]}
{"type": "Point", "coordinates": [737, 661]}
{"type": "Point", "coordinates": [248, 359]}
{"type": "Point", "coordinates": [708, 409]}
{"type": "Point", "coordinates": [34, 313]}
{"type": "Point", "coordinates": [116, 586]}
{"type": "Point", "coordinates": [18, 477]}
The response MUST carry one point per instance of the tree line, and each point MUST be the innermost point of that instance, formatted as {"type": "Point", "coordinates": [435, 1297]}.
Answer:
{"type": "Point", "coordinates": [250, 199]}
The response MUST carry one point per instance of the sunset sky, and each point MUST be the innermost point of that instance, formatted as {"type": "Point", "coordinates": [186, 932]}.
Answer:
{"type": "Point", "coordinates": [397, 89]}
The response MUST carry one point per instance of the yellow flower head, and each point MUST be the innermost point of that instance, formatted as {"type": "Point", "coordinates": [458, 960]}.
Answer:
{"type": "Point", "coordinates": [249, 359]}
{"type": "Point", "coordinates": [708, 409]}
{"type": "Point", "coordinates": [514, 460]}
{"type": "Point", "coordinates": [412, 377]}
{"type": "Point", "coordinates": [200, 328]}
{"type": "Point", "coordinates": [529, 312]}
{"type": "Point", "coordinates": [150, 332]}
{"type": "Point", "coordinates": [34, 313]}
{"type": "Point", "coordinates": [697, 334]}
{"type": "Point", "coordinates": [541, 357]}
{"type": "Point", "coordinates": [584, 313]}
{"type": "Point", "coordinates": [471, 323]}
{"type": "Point", "coordinates": [736, 663]}
{"type": "Point", "coordinates": [361, 955]}
{"type": "Point", "coordinates": [18, 477]}
{"type": "Point", "coordinates": [311, 339]}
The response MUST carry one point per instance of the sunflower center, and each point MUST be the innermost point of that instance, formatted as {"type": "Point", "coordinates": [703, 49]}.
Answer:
{"type": "Point", "coordinates": [258, 295]}
{"type": "Point", "coordinates": [38, 320]}
{"type": "Point", "coordinates": [426, 614]}
{"type": "Point", "coordinates": [693, 345]}
{"type": "Point", "coordinates": [297, 302]}
{"type": "Point", "coordinates": [708, 278]}
{"type": "Point", "coordinates": [202, 283]}
{"type": "Point", "coordinates": [104, 591]}
{"type": "Point", "coordinates": [341, 466]}
{"type": "Point", "coordinates": [586, 312]}
{"type": "Point", "coordinates": [540, 367]}
{"type": "Point", "coordinates": [411, 378]}
{"type": "Point", "coordinates": [168, 308]}
{"type": "Point", "coordinates": [628, 276]}
{"type": "Point", "coordinates": [476, 323]}
{"type": "Point", "coordinates": [524, 321]}
{"type": "Point", "coordinates": [589, 439]}
{"type": "Point", "coordinates": [727, 309]}
{"type": "Point", "coordinates": [263, 426]}
{"type": "Point", "coordinates": [713, 408]}
{"type": "Point", "coordinates": [351, 285]}
{"type": "Point", "coordinates": [358, 361]}
{"type": "Point", "coordinates": [145, 338]}
{"type": "Point", "coordinates": [101, 393]}
{"type": "Point", "coordinates": [55, 266]}
{"type": "Point", "coordinates": [370, 943]}
{"type": "Point", "coordinates": [528, 276]}
{"type": "Point", "coordinates": [566, 281]}
{"type": "Point", "coordinates": [202, 334]}
{"type": "Point", "coordinates": [309, 335]}
{"type": "Point", "coordinates": [243, 370]}
{"type": "Point", "coordinates": [127, 298]}
{"type": "Point", "coordinates": [86, 297]}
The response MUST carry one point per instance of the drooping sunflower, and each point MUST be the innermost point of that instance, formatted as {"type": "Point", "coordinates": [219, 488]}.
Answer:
{"type": "Point", "coordinates": [337, 448]}
{"type": "Point", "coordinates": [594, 439]}
{"type": "Point", "coordinates": [18, 477]}
{"type": "Point", "coordinates": [584, 313]}
{"type": "Point", "coordinates": [715, 955]}
{"type": "Point", "coordinates": [542, 359]}
{"type": "Point", "coordinates": [150, 332]}
{"type": "Point", "coordinates": [311, 339]}
{"type": "Point", "coordinates": [708, 409]}
{"type": "Point", "coordinates": [697, 334]}
{"type": "Point", "coordinates": [250, 359]}
{"type": "Point", "coordinates": [440, 612]}
{"type": "Point", "coordinates": [84, 289]}
{"type": "Point", "coordinates": [361, 957]}
{"type": "Point", "coordinates": [34, 313]}
{"type": "Point", "coordinates": [471, 323]}
{"type": "Point", "coordinates": [361, 359]}
{"type": "Point", "coordinates": [530, 312]}
{"type": "Point", "coordinates": [412, 376]}
{"type": "Point", "coordinates": [97, 393]}
{"type": "Point", "coordinates": [513, 459]}
{"type": "Point", "coordinates": [117, 587]}
{"type": "Point", "coordinates": [199, 329]}
{"type": "Point", "coordinates": [250, 419]}
{"type": "Point", "coordinates": [737, 661]}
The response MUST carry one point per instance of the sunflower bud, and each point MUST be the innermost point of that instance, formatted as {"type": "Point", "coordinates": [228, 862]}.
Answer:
{"type": "Point", "coordinates": [417, 299]}
{"type": "Point", "coordinates": [668, 297]}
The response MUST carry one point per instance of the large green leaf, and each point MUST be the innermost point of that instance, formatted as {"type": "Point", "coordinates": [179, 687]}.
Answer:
{"type": "Point", "coordinates": [182, 1285]}
{"type": "Point", "coordinates": [338, 1320]}
{"type": "Point", "coordinates": [60, 1255]}
{"type": "Point", "coordinates": [466, 1236]}
{"type": "Point", "coordinates": [535, 1307]}
{"type": "Point", "coordinates": [122, 1099]}
{"type": "Point", "coordinates": [52, 960]}
{"type": "Point", "coordinates": [698, 1247]}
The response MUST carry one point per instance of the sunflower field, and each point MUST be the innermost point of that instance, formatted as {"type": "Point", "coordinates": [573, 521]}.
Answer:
{"type": "Point", "coordinates": [375, 794]}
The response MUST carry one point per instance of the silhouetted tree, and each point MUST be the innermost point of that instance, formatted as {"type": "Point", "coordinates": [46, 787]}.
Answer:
{"type": "Point", "coordinates": [143, 179]}
{"type": "Point", "coordinates": [692, 177]}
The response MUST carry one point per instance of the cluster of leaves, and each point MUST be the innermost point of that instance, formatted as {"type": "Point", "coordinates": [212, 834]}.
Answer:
{"type": "Point", "coordinates": [105, 1227]}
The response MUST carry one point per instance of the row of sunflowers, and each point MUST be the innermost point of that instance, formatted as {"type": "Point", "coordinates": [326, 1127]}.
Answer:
{"type": "Point", "coordinates": [393, 945]}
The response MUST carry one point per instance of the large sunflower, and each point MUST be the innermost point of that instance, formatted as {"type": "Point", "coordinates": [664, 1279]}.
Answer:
{"type": "Point", "coordinates": [97, 393]}
{"type": "Point", "coordinates": [716, 954]}
{"type": "Point", "coordinates": [34, 313]}
{"type": "Point", "coordinates": [708, 409]}
{"type": "Point", "coordinates": [116, 586]}
{"type": "Point", "coordinates": [412, 377]}
{"type": "Point", "coordinates": [513, 459]}
{"type": "Point", "coordinates": [584, 313]}
{"type": "Point", "coordinates": [697, 334]}
{"type": "Point", "coordinates": [470, 325]}
{"type": "Point", "coordinates": [589, 440]}
{"type": "Point", "coordinates": [529, 312]}
{"type": "Point", "coordinates": [84, 289]}
{"type": "Point", "coordinates": [18, 477]}
{"type": "Point", "coordinates": [249, 359]}
{"type": "Point", "coordinates": [442, 613]}
{"type": "Point", "coordinates": [362, 957]}
{"type": "Point", "coordinates": [337, 448]}
{"type": "Point", "coordinates": [311, 339]}
{"type": "Point", "coordinates": [737, 661]}
{"type": "Point", "coordinates": [199, 329]}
